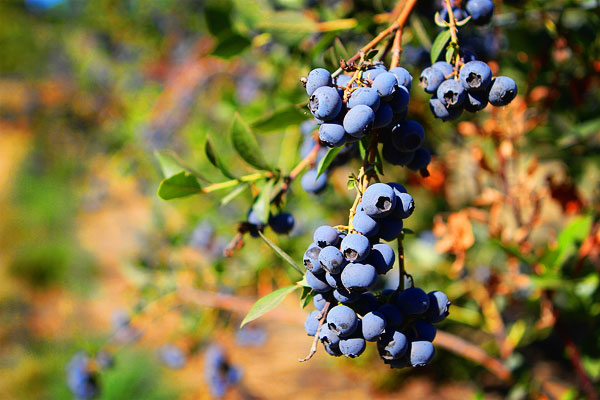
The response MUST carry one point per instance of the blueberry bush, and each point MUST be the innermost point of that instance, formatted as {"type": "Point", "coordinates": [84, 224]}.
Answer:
{"type": "Point", "coordinates": [186, 179]}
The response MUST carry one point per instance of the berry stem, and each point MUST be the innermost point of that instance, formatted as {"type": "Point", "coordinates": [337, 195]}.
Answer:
{"type": "Point", "coordinates": [313, 347]}
{"type": "Point", "coordinates": [453, 36]}
{"type": "Point", "coordinates": [234, 182]}
{"type": "Point", "coordinates": [401, 269]}
{"type": "Point", "coordinates": [396, 49]}
{"type": "Point", "coordinates": [399, 23]}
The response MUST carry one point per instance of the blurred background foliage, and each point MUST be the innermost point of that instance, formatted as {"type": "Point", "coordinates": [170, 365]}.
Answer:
{"type": "Point", "coordinates": [507, 223]}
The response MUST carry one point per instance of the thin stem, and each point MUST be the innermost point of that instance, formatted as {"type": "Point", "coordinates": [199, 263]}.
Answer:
{"type": "Point", "coordinates": [396, 49]}
{"type": "Point", "coordinates": [235, 182]}
{"type": "Point", "coordinates": [313, 347]}
{"type": "Point", "coordinates": [401, 269]}
{"type": "Point", "coordinates": [454, 36]}
{"type": "Point", "coordinates": [399, 23]}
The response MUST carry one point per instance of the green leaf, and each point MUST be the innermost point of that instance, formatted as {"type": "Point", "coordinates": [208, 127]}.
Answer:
{"type": "Point", "coordinates": [276, 121]}
{"type": "Point", "coordinates": [234, 193]}
{"type": "Point", "coordinates": [231, 45]}
{"type": "Point", "coordinates": [307, 296]}
{"type": "Point", "coordinates": [449, 54]}
{"type": "Point", "coordinates": [462, 22]}
{"type": "Point", "coordinates": [327, 160]}
{"type": "Point", "coordinates": [285, 256]}
{"type": "Point", "coordinates": [439, 44]}
{"type": "Point", "coordinates": [214, 159]}
{"type": "Point", "coordinates": [179, 185]}
{"type": "Point", "coordinates": [169, 164]}
{"type": "Point", "coordinates": [262, 204]}
{"type": "Point", "coordinates": [569, 240]}
{"type": "Point", "coordinates": [363, 145]}
{"type": "Point", "coordinates": [296, 22]}
{"type": "Point", "coordinates": [439, 21]}
{"type": "Point", "coordinates": [245, 144]}
{"type": "Point", "coordinates": [379, 163]}
{"type": "Point", "coordinates": [267, 303]}
{"type": "Point", "coordinates": [218, 17]}
{"type": "Point", "coordinates": [340, 50]}
{"type": "Point", "coordinates": [408, 231]}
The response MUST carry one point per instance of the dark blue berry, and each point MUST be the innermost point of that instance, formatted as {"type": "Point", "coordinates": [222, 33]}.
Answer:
{"type": "Point", "coordinates": [503, 91]}
{"type": "Point", "coordinates": [355, 247]}
{"type": "Point", "coordinates": [359, 120]}
{"type": "Point", "coordinates": [451, 93]}
{"type": "Point", "coordinates": [325, 103]}
{"type": "Point", "coordinates": [342, 320]}
{"type": "Point", "coordinates": [430, 79]}
{"type": "Point", "coordinates": [282, 223]}
{"type": "Point", "coordinates": [358, 278]}
{"type": "Point", "coordinates": [475, 76]}
{"type": "Point", "coordinates": [366, 96]}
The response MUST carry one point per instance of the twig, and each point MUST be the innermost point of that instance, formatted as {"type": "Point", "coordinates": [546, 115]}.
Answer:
{"type": "Point", "coordinates": [313, 347]}
{"type": "Point", "coordinates": [401, 269]}
{"type": "Point", "coordinates": [474, 353]}
{"type": "Point", "coordinates": [453, 35]}
{"type": "Point", "coordinates": [396, 49]}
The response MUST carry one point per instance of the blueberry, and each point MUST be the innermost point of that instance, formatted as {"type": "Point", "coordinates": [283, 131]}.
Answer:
{"type": "Point", "coordinates": [439, 110]}
{"type": "Point", "coordinates": [395, 157]}
{"type": "Point", "coordinates": [393, 315]}
{"type": "Point", "coordinates": [399, 102]}
{"type": "Point", "coordinates": [311, 324]}
{"type": "Point", "coordinates": [503, 91]}
{"type": "Point", "coordinates": [476, 101]}
{"type": "Point", "coordinates": [342, 320]}
{"type": "Point", "coordinates": [326, 236]}
{"type": "Point", "coordinates": [459, 14]}
{"type": "Point", "coordinates": [311, 184]}
{"type": "Point", "coordinates": [311, 259]}
{"type": "Point", "coordinates": [475, 76]}
{"type": "Point", "coordinates": [451, 93]}
{"type": "Point", "coordinates": [438, 306]}
{"type": "Point", "coordinates": [316, 78]}
{"type": "Point", "coordinates": [420, 161]}
{"type": "Point", "coordinates": [81, 379]}
{"type": "Point", "coordinates": [325, 103]}
{"type": "Point", "coordinates": [334, 280]}
{"type": "Point", "coordinates": [331, 259]}
{"type": "Point", "coordinates": [317, 282]}
{"type": "Point", "coordinates": [342, 80]}
{"type": "Point", "coordinates": [421, 353]}
{"type": "Point", "coordinates": [424, 330]}
{"type": "Point", "coordinates": [359, 120]}
{"type": "Point", "coordinates": [430, 79]}
{"type": "Point", "coordinates": [352, 347]}
{"type": "Point", "coordinates": [405, 205]}
{"type": "Point", "coordinates": [373, 72]}
{"type": "Point", "coordinates": [390, 228]}
{"type": "Point", "coordinates": [328, 336]}
{"type": "Point", "coordinates": [408, 136]}
{"type": "Point", "coordinates": [398, 188]}
{"type": "Point", "coordinates": [332, 134]}
{"type": "Point", "coordinates": [403, 77]}
{"type": "Point", "coordinates": [392, 345]}
{"type": "Point", "coordinates": [373, 325]}
{"type": "Point", "coordinates": [444, 67]}
{"type": "Point", "coordinates": [282, 223]}
{"type": "Point", "coordinates": [385, 84]}
{"type": "Point", "coordinates": [256, 225]}
{"type": "Point", "coordinates": [355, 247]}
{"type": "Point", "coordinates": [412, 301]}
{"type": "Point", "coordinates": [364, 224]}
{"type": "Point", "coordinates": [382, 257]}
{"type": "Point", "coordinates": [383, 116]}
{"type": "Point", "coordinates": [378, 200]}
{"type": "Point", "coordinates": [342, 295]}
{"type": "Point", "coordinates": [358, 278]}
{"type": "Point", "coordinates": [332, 350]}
{"type": "Point", "coordinates": [365, 303]}
{"type": "Point", "coordinates": [218, 373]}
{"type": "Point", "coordinates": [172, 356]}
{"type": "Point", "coordinates": [480, 10]}
{"type": "Point", "coordinates": [319, 301]}
{"type": "Point", "coordinates": [366, 96]}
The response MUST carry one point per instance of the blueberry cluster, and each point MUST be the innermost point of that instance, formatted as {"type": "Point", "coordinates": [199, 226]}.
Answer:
{"type": "Point", "coordinates": [82, 379]}
{"type": "Point", "coordinates": [472, 89]}
{"type": "Point", "coordinates": [481, 11]}
{"type": "Point", "coordinates": [281, 223]}
{"type": "Point", "coordinates": [343, 266]}
{"type": "Point", "coordinates": [219, 374]}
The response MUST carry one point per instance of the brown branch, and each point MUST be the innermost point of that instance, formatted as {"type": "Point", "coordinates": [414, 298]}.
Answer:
{"type": "Point", "coordinates": [313, 347]}
{"type": "Point", "coordinates": [396, 49]}
{"type": "Point", "coordinates": [474, 353]}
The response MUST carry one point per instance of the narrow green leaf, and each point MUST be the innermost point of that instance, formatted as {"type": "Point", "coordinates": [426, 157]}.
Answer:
{"type": "Point", "coordinates": [218, 17]}
{"type": "Point", "coordinates": [379, 163]}
{"type": "Point", "coordinates": [327, 160]}
{"type": "Point", "coordinates": [231, 45]}
{"type": "Point", "coordinates": [262, 204]}
{"type": "Point", "coordinates": [168, 162]}
{"type": "Point", "coordinates": [449, 55]}
{"type": "Point", "coordinates": [439, 21]}
{"type": "Point", "coordinates": [363, 145]}
{"type": "Point", "coordinates": [245, 144]}
{"type": "Point", "coordinates": [179, 185]}
{"type": "Point", "coordinates": [463, 21]}
{"type": "Point", "coordinates": [408, 231]}
{"type": "Point", "coordinates": [279, 119]}
{"type": "Point", "coordinates": [285, 256]}
{"type": "Point", "coordinates": [571, 237]}
{"type": "Point", "coordinates": [340, 50]}
{"type": "Point", "coordinates": [295, 22]}
{"type": "Point", "coordinates": [214, 159]}
{"type": "Point", "coordinates": [307, 296]}
{"type": "Point", "coordinates": [371, 54]}
{"type": "Point", "coordinates": [267, 303]}
{"type": "Point", "coordinates": [439, 44]}
{"type": "Point", "coordinates": [234, 193]}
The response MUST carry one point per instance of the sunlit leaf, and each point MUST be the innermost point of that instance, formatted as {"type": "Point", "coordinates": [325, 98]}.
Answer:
{"type": "Point", "coordinates": [231, 45]}
{"type": "Point", "coordinates": [277, 120]}
{"type": "Point", "coordinates": [262, 204]}
{"type": "Point", "coordinates": [246, 145]}
{"type": "Point", "coordinates": [327, 160]}
{"type": "Point", "coordinates": [215, 160]}
{"type": "Point", "coordinates": [439, 44]}
{"type": "Point", "coordinates": [267, 303]}
{"type": "Point", "coordinates": [179, 185]}
{"type": "Point", "coordinates": [285, 256]}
